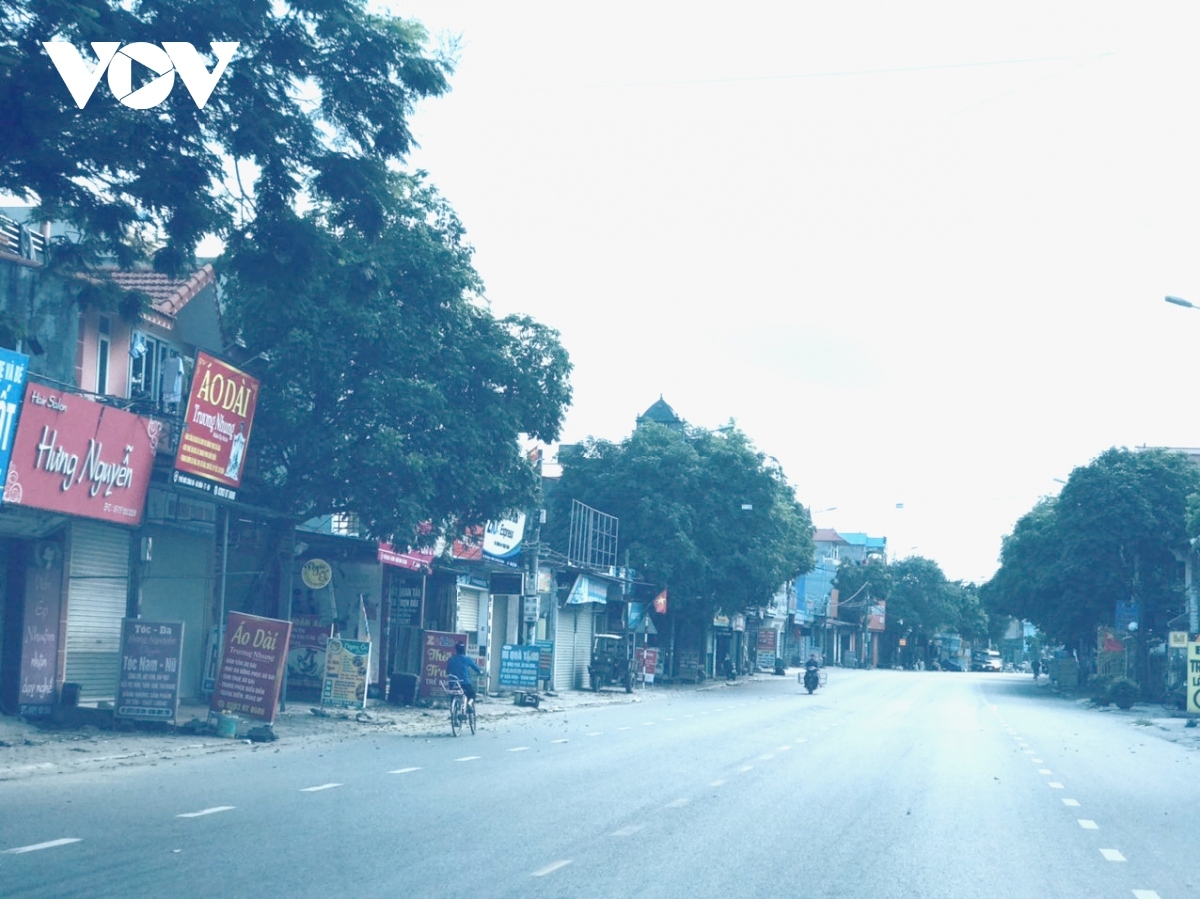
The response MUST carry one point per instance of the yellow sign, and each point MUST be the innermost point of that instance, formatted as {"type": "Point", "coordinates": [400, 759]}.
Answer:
{"type": "Point", "coordinates": [1193, 677]}
{"type": "Point", "coordinates": [1179, 640]}
{"type": "Point", "coordinates": [316, 574]}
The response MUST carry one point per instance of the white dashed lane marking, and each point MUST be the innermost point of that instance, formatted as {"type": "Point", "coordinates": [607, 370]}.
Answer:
{"type": "Point", "coordinates": [518, 749]}
{"type": "Point", "coordinates": [404, 770]}
{"type": "Point", "coordinates": [717, 783]}
{"type": "Point", "coordinates": [1112, 855]}
{"type": "Point", "coordinates": [321, 787]}
{"type": "Point", "coordinates": [560, 741]}
{"type": "Point", "coordinates": [469, 758]}
{"type": "Point", "coordinates": [598, 733]}
{"type": "Point", "coordinates": [551, 868]}
{"type": "Point", "coordinates": [678, 803]}
{"type": "Point", "coordinates": [1055, 785]}
{"type": "Point", "coordinates": [1145, 894]}
{"type": "Point", "coordinates": [628, 831]}
{"type": "Point", "coordinates": [1088, 825]}
{"type": "Point", "coordinates": [207, 811]}
{"type": "Point", "coordinates": [746, 768]}
{"type": "Point", "coordinates": [1073, 803]}
{"type": "Point", "coordinates": [48, 845]}
{"type": "Point", "coordinates": [1044, 771]}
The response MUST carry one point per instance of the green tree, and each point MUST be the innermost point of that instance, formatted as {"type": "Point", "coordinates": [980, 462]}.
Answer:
{"type": "Point", "coordinates": [1111, 536]}
{"type": "Point", "coordinates": [680, 498]}
{"type": "Point", "coordinates": [388, 388]}
{"type": "Point", "coordinates": [315, 104]}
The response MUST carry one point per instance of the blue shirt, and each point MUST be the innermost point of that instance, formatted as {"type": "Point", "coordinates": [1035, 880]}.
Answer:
{"type": "Point", "coordinates": [461, 667]}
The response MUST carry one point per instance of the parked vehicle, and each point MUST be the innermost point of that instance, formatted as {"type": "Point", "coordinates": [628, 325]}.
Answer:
{"type": "Point", "coordinates": [612, 662]}
{"type": "Point", "coordinates": [986, 660]}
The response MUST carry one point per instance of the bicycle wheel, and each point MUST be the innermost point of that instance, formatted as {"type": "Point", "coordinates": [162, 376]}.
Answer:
{"type": "Point", "coordinates": [455, 715]}
{"type": "Point", "coordinates": [471, 716]}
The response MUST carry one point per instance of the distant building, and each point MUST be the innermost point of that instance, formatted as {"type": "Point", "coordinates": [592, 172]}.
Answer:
{"type": "Point", "coordinates": [661, 413]}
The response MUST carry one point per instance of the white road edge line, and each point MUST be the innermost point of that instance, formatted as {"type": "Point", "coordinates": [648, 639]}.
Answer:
{"type": "Point", "coordinates": [49, 845]}
{"type": "Point", "coordinates": [1112, 855]}
{"type": "Point", "coordinates": [321, 787]}
{"type": "Point", "coordinates": [551, 868]}
{"type": "Point", "coordinates": [207, 811]}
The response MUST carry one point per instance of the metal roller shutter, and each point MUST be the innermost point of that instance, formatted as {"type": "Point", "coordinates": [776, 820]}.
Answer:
{"type": "Point", "coordinates": [468, 610]}
{"type": "Point", "coordinates": [96, 603]}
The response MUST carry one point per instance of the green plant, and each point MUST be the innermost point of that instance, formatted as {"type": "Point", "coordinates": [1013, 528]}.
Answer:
{"type": "Point", "coordinates": [1123, 692]}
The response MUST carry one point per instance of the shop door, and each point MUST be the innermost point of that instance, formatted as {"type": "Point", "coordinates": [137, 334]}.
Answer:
{"type": "Point", "coordinates": [176, 587]}
{"type": "Point", "coordinates": [97, 598]}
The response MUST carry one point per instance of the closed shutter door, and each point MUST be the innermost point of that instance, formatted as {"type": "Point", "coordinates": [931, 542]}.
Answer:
{"type": "Point", "coordinates": [583, 646]}
{"type": "Point", "coordinates": [468, 611]}
{"type": "Point", "coordinates": [564, 649]}
{"type": "Point", "coordinates": [96, 603]}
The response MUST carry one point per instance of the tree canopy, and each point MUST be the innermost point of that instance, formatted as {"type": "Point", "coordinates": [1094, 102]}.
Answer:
{"type": "Point", "coordinates": [389, 388]}
{"type": "Point", "coordinates": [705, 515]}
{"type": "Point", "coordinates": [1112, 535]}
{"type": "Point", "coordinates": [314, 104]}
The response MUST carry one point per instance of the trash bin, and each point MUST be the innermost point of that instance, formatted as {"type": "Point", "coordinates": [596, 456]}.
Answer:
{"type": "Point", "coordinates": [402, 688]}
{"type": "Point", "coordinates": [70, 695]}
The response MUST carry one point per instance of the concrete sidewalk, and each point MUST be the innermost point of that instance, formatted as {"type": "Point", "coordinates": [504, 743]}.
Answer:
{"type": "Point", "coordinates": [30, 748]}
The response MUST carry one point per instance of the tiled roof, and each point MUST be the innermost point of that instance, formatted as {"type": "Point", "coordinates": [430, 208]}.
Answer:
{"type": "Point", "coordinates": [167, 295]}
{"type": "Point", "coordinates": [827, 535]}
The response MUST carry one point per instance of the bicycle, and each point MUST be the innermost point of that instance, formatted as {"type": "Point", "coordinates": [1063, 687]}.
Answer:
{"type": "Point", "coordinates": [461, 709]}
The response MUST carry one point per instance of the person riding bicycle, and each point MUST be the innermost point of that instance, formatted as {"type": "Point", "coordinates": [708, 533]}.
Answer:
{"type": "Point", "coordinates": [461, 666]}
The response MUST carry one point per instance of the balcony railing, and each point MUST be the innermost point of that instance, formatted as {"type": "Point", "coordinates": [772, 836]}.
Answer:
{"type": "Point", "coordinates": [21, 242]}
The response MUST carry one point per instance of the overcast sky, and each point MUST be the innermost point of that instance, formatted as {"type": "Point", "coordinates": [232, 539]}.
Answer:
{"type": "Point", "coordinates": [917, 251]}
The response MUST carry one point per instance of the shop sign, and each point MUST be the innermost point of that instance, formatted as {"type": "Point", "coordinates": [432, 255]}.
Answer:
{"type": "Point", "coordinates": [1178, 639]}
{"type": "Point", "coordinates": [436, 649]}
{"type": "Point", "coordinates": [306, 653]}
{"type": "Point", "coordinates": [39, 637]}
{"type": "Point", "coordinates": [346, 665]}
{"type": "Point", "coordinates": [316, 574]}
{"type": "Point", "coordinates": [413, 559]}
{"type": "Point", "coordinates": [502, 539]}
{"type": "Point", "coordinates": [877, 616]}
{"type": "Point", "coordinates": [765, 649]}
{"type": "Point", "coordinates": [252, 660]}
{"type": "Point", "coordinates": [1193, 677]}
{"type": "Point", "coordinates": [646, 662]}
{"type": "Point", "coordinates": [545, 659]}
{"type": "Point", "coordinates": [519, 665]}
{"type": "Point", "coordinates": [151, 657]}
{"type": "Point", "coordinates": [80, 457]}
{"type": "Point", "coordinates": [405, 599]}
{"type": "Point", "coordinates": [12, 382]}
{"type": "Point", "coordinates": [216, 427]}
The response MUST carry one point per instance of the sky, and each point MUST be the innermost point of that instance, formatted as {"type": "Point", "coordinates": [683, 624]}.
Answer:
{"type": "Point", "coordinates": [917, 252]}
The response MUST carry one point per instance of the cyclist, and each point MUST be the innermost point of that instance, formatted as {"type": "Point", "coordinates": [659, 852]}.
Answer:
{"type": "Point", "coordinates": [461, 666]}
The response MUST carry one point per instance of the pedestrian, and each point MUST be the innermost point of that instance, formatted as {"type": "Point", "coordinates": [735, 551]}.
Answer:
{"type": "Point", "coordinates": [1037, 668]}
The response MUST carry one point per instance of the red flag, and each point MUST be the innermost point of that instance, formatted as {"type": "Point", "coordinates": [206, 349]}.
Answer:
{"type": "Point", "coordinates": [660, 603]}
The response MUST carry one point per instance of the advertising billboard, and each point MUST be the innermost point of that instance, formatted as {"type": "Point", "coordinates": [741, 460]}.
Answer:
{"type": "Point", "coordinates": [80, 457]}
{"type": "Point", "coordinates": [216, 428]}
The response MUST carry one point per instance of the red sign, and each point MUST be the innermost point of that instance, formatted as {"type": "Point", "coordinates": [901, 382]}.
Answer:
{"type": "Point", "coordinates": [217, 422]}
{"type": "Point", "coordinates": [413, 560]}
{"type": "Point", "coordinates": [766, 640]}
{"type": "Point", "coordinates": [436, 649]}
{"type": "Point", "coordinates": [80, 457]}
{"type": "Point", "coordinates": [255, 652]}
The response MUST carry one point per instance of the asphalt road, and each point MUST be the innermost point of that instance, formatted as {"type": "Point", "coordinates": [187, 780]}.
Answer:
{"type": "Point", "coordinates": [882, 784]}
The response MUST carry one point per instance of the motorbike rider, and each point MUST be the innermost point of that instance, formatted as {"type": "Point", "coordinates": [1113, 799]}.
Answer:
{"type": "Point", "coordinates": [810, 672]}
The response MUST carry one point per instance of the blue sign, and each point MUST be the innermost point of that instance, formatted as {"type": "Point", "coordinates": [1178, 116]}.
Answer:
{"type": "Point", "coordinates": [519, 665]}
{"type": "Point", "coordinates": [13, 367]}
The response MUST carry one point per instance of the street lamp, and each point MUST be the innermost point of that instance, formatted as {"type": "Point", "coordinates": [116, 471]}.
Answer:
{"type": "Point", "coordinates": [1180, 301]}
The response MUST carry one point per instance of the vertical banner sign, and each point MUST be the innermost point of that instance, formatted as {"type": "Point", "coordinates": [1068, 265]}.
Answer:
{"type": "Point", "coordinates": [151, 653]}
{"type": "Point", "coordinates": [306, 653]}
{"type": "Point", "coordinates": [646, 663]}
{"type": "Point", "coordinates": [39, 637]}
{"type": "Point", "coordinates": [1193, 677]}
{"type": "Point", "coordinates": [12, 382]}
{"type": "Point", "coordinates": [436, 649]}
{"type": "Point", "coordinates": [216, 428]}
{"type": "Point", "coordinates": [346, 665]}
{"type": "Point", "coordinates": [252, 660]}
{"type": "Point", "coordinates": [765, 650]}
{"type": "Point", "coordinates": [77, 456]}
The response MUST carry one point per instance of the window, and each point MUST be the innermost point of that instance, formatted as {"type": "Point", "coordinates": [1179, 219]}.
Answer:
{"type": "Point", "coordinates": [146, 357]}
{"type": "Point", "coordinates": [104, 341]}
